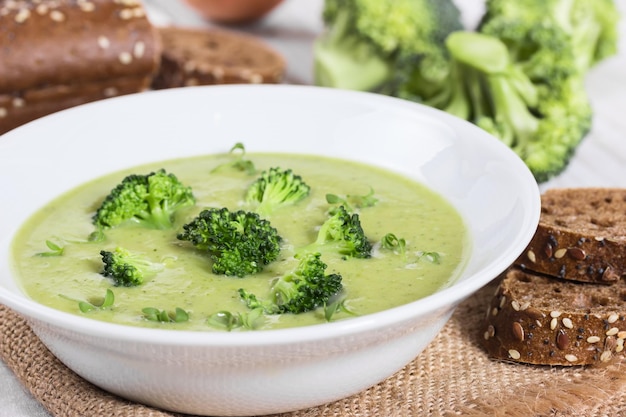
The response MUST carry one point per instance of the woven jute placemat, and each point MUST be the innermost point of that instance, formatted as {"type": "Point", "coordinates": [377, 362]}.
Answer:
{"type": "Point", "coordinates": [453, 376]}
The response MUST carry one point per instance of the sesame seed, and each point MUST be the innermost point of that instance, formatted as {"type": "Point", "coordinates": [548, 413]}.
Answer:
{"type": "Point", "coordinates": [126, 14]}
{"type": "Point", "coordinates": [41, 9]}
{"type": "Point", "coordinates": [139, 49]}
{"type": "Point", "coordinates": [612, 331]}
{"type": "Point", "coordinates": [593, 339]}
{"type": "Point", "coordinates": [515, 305]}
{"type": "Point", "coordinates": [524, 306]}
{"type": "Point", "coordinates": [555, 314]}
{"type": "Point", "coordinates": [3, 112]}
{"type": "Point", "coordinates": [502, 301]}
{"type": "Point", "coordinates": [494, 311]}
{"type": "Point", "coordinates": [567, 322]}
{"type": "Point", "coordinates": [571, 358]}
{"type": "Point", "coordinates": [103, 42]}
{"type": "Point", "coordinates": [86, 6]}
{"type": "Point", "coordinates": [621, 335]}
{"type": "Point", "coordinates": [553, 323]}
{"type": "Point", "coordinates": [613, 318]}
{"type": "Point", "coordinates": [560, 253]}
{"type": "Point", "coordinates": [22, 16]}
{"type": "Point", "coordinates": [514, 354]}
{"type": "Point", "coordinates": [606, 356]}
{"type": "Point", "coordinates": [125, 58]}
{"type": "Point", "coordinates": [57, 16]}
{"type": "Point", "coordinates": [18, 102]}
{"type": "Point", "coordinates": [531, 256]}
{"type": "Point", "coordinates": [110, 92]}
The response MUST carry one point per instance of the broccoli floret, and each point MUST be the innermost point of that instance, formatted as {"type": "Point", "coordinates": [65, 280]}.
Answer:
{"type": "Point", "coordinates": [367, 41]}
{"type": "Point", "coordinates": [276, 188]}
{"type": "Point", "coordinates": [303, 289]}
{"type": "Point", "coordinates": [573, 35]}
{"type": "Point", "coordinates": [341, 233]}
{"type": "Point", "coordinates": [150, 200]}
{"type": "Point", "coordinates": [127, 269]}
{"type": "Point", "coordinates": [238, 242]}
{"type": "Point", "coordinates": [543, 122]}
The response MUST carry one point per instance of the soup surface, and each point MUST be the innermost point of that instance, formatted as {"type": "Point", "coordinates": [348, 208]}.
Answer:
{"type": "Point", "coordinates": [435, 235]}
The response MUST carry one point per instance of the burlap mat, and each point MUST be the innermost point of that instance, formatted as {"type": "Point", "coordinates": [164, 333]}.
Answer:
{"type": "Point", "coordinates": [452, 376]}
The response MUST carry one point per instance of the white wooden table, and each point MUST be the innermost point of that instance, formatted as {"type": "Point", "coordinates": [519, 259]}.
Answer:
{"type": "Point", "coordinates": [291, 29]}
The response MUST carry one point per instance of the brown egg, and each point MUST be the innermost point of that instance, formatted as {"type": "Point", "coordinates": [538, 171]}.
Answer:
{"type": "Point", "coordinates": [233, 11]}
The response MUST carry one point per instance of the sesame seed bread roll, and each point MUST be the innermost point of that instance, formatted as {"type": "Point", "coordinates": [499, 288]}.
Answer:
{"type": "Point", "coordinates": [63, 49]}
{"type": "Point", "coordinates": [581, 235]}
{"type": "Point", "coordinates": [543, 320]}
{"type": "Point", "coordinates": [208, 56]}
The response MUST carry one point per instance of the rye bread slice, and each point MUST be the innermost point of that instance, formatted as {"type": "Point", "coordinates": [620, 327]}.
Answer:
{"type": "Point", "coordinates": [210, 56]}
{"type": "Point", "coordinates": [581, 235]}
{"type": "Point", "coordinates": [543, 320]}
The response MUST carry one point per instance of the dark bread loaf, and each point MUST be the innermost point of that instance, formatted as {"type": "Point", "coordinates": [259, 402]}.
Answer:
{"type": "Point", "coordinates": [581, 235]}
{"type": "Point", "coordinates": [208, 56]}
{"type": "Point", "coordinates": [55, 54]}
{"type": "Point", "coordinates": [543, 320]}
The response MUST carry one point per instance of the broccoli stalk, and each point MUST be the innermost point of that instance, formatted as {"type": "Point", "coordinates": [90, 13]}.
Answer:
{"type": "Point", "coordinates": [276, 188]}
{"type": "Point", "coordinates": [367, 41]}
{"type": "Point", "coordinates": [303, 289]}
{"type": "Point", "coordinates": [238, 242]}
{"type": "Point", "coordinates": [150, 200]}
{"type": "Point", "coordinates": [127, 269]}
{"type": "Point", "coordinates": [543, 123]}
{"type": "Point", "coordinates": [341, 233]}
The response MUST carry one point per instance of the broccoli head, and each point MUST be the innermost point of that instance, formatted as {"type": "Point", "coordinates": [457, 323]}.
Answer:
{"type": "Point", "coordinates": [150, 200]}
{"type": "Point", "coordinates": [367, 41]}
{"type": "Point", "coordinates": [568, 35]}
{"type": "Point", "coordinates": [238, 242]}
{"type": "Point", "coordinates": [543, 122]}
{"type": "Point", "coordinates": [341, 233]}
{"type": "Point", "coordinates": [127, 269]}
{"type": "Point", "coordinates": [303, 289]}
{"type": "Point", "coordinates": [276, 188]}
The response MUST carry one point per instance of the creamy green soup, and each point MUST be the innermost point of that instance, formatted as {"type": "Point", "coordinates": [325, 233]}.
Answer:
{"type": "Point", "coordinates": [436, 245]}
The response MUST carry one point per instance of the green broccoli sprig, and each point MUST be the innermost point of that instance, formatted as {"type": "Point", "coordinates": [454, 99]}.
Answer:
{"type": "Point", "coordinates": [127, 269]}
{"type": "Point", "coordinates": [303, 289]}
{"type": "Point", "coordinates": [341, 233]}
{"type": "Point", "coordinates": [276, 188]}
{"type": "Point", "coordinates": [150, 200]}
{"type": "Point", "coordinates": [238, 242]}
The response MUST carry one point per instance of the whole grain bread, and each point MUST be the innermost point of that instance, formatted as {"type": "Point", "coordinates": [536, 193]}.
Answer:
{"type": "Point", "coordinates": [581, 235]}
{"type": "Point", "coordinates": [543, 320]}
{"type": "Point", "coordinates": [55, 54]}
{"type": "Point", "coordinates": [210, 56]}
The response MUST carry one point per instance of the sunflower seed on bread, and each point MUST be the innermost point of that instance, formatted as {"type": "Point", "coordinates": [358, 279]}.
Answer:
{"type": "Point", "coordinates": [210, 56]}
{"type": "Point", "coordinates": [537, 319]}
{"type": "Point", "coordinates": [581, 235]}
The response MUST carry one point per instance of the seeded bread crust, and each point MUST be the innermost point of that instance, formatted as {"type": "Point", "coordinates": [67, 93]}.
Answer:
{"type": "Point", "coordinates": [55, 54]}
{"type": "Point", "coordinates": [208, 56]}
{"type": "Point", "coordinates": [581, 235]}
{"type": "Point", "coordinates": [543, 320]}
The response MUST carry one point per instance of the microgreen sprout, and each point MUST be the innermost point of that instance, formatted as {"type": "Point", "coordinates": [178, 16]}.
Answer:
{"type": "Point", "coordinates": [391, 242]}
{"type": "Point", "coordinates": [55, 250]}
{"type": "Point", "coordinates": [351, 202]}
{"type": "Point", "coordinates": [433, 257]}
{"type": "Point", "coordinates": [97, 303]}
{"type": "Point", "coordinates": [229, 321]}
{"type": "Point", "coordinates": [239, 162]}
{"type": "Point", "coordinates": [338, 306]}
{"type": "Point", "coordinates": [154, 314]}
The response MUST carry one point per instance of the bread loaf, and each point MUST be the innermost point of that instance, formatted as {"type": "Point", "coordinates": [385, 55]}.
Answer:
{"type": "Point", "coordinates": [208, 56]}
{"type": "Point", "coordinates": [581, 235]}
{"type": "Point", "coordinates": [60, 53]}
{"type": "Point", "coordinates": [543, 320]}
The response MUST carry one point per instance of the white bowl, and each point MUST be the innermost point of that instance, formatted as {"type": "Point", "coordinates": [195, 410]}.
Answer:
{"type": "Point", "coordinates": [271, 371]}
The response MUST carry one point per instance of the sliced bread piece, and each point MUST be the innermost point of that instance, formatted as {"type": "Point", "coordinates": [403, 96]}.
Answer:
{"type": "Point", "coordinates": [543, 320]}
{"type": "Point", "coordinates": [209, 56]}
{"type": "Point", "coordinates": [581, 235]}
